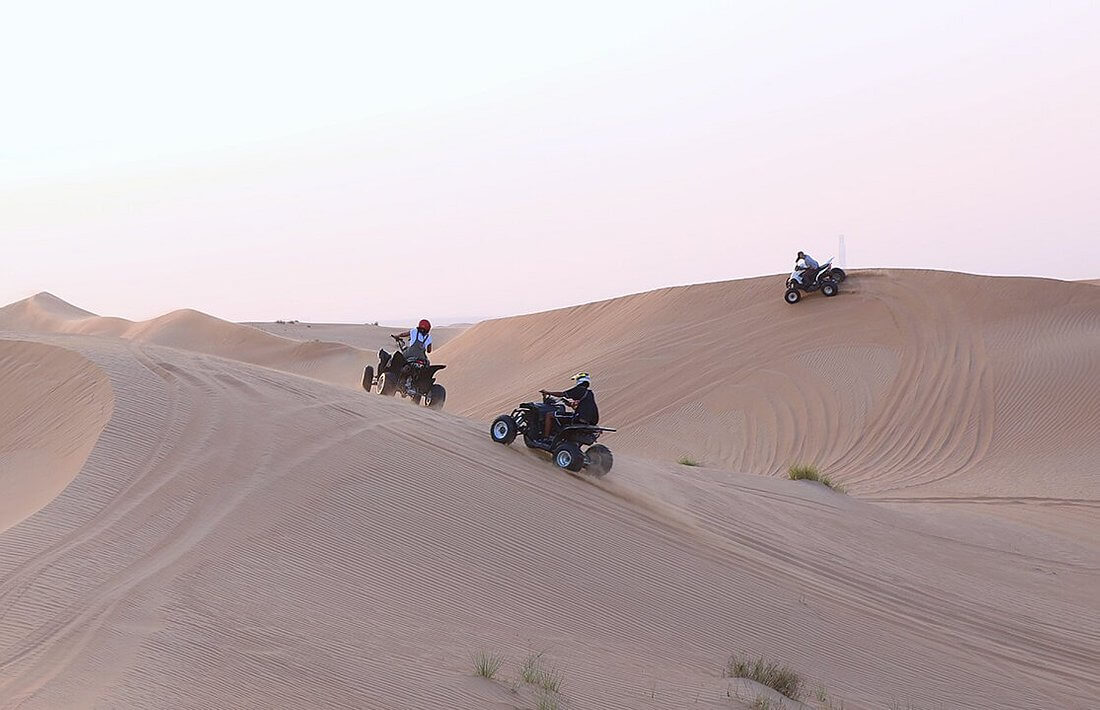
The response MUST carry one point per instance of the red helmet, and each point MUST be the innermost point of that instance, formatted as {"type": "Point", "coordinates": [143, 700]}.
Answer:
{"type": "Point", "coordinates": [424, 326]}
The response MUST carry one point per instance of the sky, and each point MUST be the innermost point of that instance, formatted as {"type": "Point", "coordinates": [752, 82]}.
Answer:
{"type": "Point", "coordinates": [362, 161]}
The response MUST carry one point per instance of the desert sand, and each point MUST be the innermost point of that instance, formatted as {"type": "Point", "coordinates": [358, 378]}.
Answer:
{"type": "Point", "coordinates": [199, 514]}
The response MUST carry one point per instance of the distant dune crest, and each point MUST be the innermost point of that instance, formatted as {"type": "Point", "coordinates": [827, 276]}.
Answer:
{"type": "Point", "coordinates": [188, 329]}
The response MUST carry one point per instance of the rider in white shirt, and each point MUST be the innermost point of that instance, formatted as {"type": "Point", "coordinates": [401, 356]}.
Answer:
{"type": "Point", "coordinates": [418, 347]}
{"type": "Point", "coordinates": [420, 341]}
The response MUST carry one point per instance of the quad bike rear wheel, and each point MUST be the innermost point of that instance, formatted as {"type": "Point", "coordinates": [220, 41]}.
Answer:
{"type": "Point", "coordinates": [598, 460]}
{"type": "Point", "coordinates": [503, 429]}
{"type": "Point", "coordinates": [793, 295]}
{"type": "Point", "coordinates": [368, 378]}
{"type": "Point", "coordinates": [437, 395]}
{"type": "Point", "coordinates": [568, 455]}
{"type": "Point", "coordinates": [829, 288]}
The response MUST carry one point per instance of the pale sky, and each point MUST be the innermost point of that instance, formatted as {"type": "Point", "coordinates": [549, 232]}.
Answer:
{"type": "Point", "coordinates": [354, 161]}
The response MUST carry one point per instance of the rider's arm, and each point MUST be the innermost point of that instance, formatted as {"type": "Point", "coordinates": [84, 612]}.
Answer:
{"type": "Point", "coordinates": [552, 394]}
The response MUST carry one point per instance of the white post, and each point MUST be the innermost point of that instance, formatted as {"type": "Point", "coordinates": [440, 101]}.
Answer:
{"type": "Point", "coordinates": [841, 255]}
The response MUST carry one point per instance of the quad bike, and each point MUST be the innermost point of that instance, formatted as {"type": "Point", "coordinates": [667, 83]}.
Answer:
{"type": "Point", "coordinates": [827, 280]}
{"type": "Point", "coordinates": [414, 379]}
{"type": "Point", "coordinates": [565, 440]}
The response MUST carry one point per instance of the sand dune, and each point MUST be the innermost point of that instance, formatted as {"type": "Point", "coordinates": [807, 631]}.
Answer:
{"type": "Point", "coordinates": [55, 403]}
{"type": "Point", "coordinates": [192, 330]}
{"type": "Point", "coordinates": [910, 384]}
{"type": "Point", "coordinates": [242, 536]}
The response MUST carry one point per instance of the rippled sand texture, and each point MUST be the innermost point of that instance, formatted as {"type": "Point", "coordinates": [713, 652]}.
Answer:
{"type": "Point", "coordinates": [242, 527]}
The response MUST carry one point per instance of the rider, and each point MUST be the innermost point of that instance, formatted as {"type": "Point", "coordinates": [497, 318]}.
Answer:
{"type": "Point", "coordinates": [420, 344]}
{"type": "Point", "coordinates": [581, 398]}
{"type": "Point", "coordinates": [420, 341]}
{"type": "Point", "coordinates": [804, 264]}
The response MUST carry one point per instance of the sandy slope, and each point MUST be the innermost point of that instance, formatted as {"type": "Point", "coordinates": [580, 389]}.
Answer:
{"type": "Point", "coordinates": [909, 385]}
{"type": "Point", "coordinates": [365, 337]}
{"type": "Point", "coordinates": [54, 405]}
{"type": "Point", "coordinates": [241, 537]}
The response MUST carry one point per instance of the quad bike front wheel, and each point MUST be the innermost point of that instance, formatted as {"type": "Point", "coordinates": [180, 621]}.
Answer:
{"type": "Point", "coordinates": [829, 288]}
{"type": "Point", "coordinates": [368, 378]}
{"type": "Point", "coordinates": [598, 460]}
{"type": "Point", "coordinates": [568, 456]}
{"type": "Point", "coordinates": [838, 274]}
{"type": "Point", "coordinates": [793, 295]}
{"type": "Point", "coordinates": [437, 395]}
{"type": "Point", "coordinates": [503, 429]}
{"type": "Point", "coordinates": [387, 384]}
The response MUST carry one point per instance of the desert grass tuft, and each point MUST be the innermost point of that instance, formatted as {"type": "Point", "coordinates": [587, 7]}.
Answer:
{"type": "Point", "coordinates": [688, 461]}
{"type": "Point", "coordinates": [534, 673]}
{"type": "Point", "coordinates": [546, 701]}
{"type": "Point", "coordinates": [531, 668]}
{"type": "Point", "coordinates": [773, 675]}
{"type": "Point", "coordinates": [486, 665]}
{"type": "Point", "coordinates": [809, 472]}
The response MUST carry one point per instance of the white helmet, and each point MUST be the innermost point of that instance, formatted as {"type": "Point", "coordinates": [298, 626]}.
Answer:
{"type": "Point", "coordinates": [581, 377]}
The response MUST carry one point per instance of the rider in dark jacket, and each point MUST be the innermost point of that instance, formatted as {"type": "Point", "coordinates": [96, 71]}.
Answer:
{"type": "Point", "coordinates": [581, 398]}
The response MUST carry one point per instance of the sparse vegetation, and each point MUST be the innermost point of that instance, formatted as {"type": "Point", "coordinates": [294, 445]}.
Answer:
{"type": "Point", "coordinates": [533, 673]}
{"type": "Point", "coordinates": [809, 472]}
{"type": "Point", "coordinates": [547, 682]}
{"type": "Point", "coordinates": [486, 665]}
{"type": "Point", "coordinates": [546, 701]}
{"type": "Point", "coordinates": [825, 701]}
{"type": "Point", "coordinates": [529, 672]}
{"type": "Point", "coordinates": [773, 675]}
{"type": "Point", "coordinates": [551, 680]}
{"type": "Point", "coordinates": [688, 461]}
